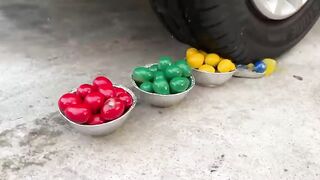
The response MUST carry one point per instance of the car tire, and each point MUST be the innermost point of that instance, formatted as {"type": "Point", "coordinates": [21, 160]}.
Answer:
{"type": "Point", "coordinates": [235, 29]}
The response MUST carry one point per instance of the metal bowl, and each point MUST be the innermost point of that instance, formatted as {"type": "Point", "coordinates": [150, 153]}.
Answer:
{"type": "Point", "coordinates": [245, 73]}
{"type": "Point", "coordinates": [159, 100]}
{"type": "Point", "coordinates": [105, 128]}
{"type": "Point", "coordinates": [211, 79]}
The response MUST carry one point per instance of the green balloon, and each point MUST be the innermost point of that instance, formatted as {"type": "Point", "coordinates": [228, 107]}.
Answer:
{"type": "Point", "coordinates": [154, 68]}
{"type": "Point", "coordinates": [142, 74]}
{"type": "Point", "coordinates": [173, 71]}
{"type": "Point", "coordinates": [159, 75]}
{"type": "Point", "coordinates": [164, 62]}
{"type": "Point", "coordinates": [161, 86]}
{"type": "Point", "coordinates": [189, 82]}
{"type": "Point", "coordinates": [186, 70]}
{"type": "Point", "coordinates": [179, 84]}
{"type": "Point", "coordinates": [147, 86]}
{"type": "Point", "coordinates": [182, 61]}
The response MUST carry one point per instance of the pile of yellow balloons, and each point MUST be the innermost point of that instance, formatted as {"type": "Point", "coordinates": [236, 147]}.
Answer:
{"type": "Point", "coordinates": [211, 63]}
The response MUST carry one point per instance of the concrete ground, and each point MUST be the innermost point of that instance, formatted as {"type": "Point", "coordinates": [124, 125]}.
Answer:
{"type": "Point", "coordinates": [247, 129]}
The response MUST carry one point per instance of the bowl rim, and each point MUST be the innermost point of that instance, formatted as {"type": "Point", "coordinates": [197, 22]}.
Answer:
{"type": "Point", "coordinates": [215, 73]}
{"type": "Point", "coordinates": [134, 97]}
{"type": "Point", "coordinates": [192, 84]}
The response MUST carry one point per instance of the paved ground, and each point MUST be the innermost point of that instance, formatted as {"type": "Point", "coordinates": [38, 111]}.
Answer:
{"type": "Point", "coordinates": [247, 129]}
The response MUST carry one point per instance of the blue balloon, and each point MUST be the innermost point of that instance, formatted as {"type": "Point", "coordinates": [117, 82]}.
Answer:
{"type": "Point", "coordinates": [260, 67]}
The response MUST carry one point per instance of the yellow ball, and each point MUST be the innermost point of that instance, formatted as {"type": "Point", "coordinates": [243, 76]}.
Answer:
{"type": "Point", "coordinates": [226, 65]}
{"type": "Point", "coordinates": [195, 60]}
{"type": "Point", "coordinates": [203, 53]}
{"type": "Point", "coordinates": [207, 68]}
{"type": "Point", "coordinates": [212, 59]}
{"type": "Point", "coordinates": [271, 66]}
{"type": "Point", "coordinates": [191, 51]}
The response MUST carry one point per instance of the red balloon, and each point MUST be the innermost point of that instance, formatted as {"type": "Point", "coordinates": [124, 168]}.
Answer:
{"type": "Point", "coordinates": [84, 89]}
{"type": "Point", "coordinates": [95, 100]}
{"type": "Point", "coordinates": [112, 109]}
{"type": "Point", "coordinates": [127, 99]}
{"type": "Point", "coordinates": [100, 81]}
{"type": "Point", "coordinates": [118, 91]}
{"type": "Point", "coordinates": [107, 91]}
{"type": "Point", "coordinates": [78, 113]}
{"type": "Point", "coordinates": [95, 120]}
{"type": "Point", "coordinates": [67, 100]}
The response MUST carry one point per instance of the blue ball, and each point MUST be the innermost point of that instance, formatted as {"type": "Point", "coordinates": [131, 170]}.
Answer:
{"type": "Point", "coordinates": [260, 67]}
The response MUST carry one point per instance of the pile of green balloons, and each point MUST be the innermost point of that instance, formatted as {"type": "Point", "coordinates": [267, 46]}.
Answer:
{"type": "Point", "coordinates": [166, 77]}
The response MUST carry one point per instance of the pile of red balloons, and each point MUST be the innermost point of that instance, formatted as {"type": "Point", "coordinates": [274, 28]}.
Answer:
{"type": "Point", "coordinates": [95, 104]}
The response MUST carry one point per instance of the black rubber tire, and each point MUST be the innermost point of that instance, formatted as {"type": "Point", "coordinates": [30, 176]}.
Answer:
{"type": "Point", "coordinates": [234, 28]}
{"type": "Point", "coordinates": [171, 14]}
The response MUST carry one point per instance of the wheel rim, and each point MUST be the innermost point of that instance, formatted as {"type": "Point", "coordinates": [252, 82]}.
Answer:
{"type": "Point", "coordinates": [279, 9]}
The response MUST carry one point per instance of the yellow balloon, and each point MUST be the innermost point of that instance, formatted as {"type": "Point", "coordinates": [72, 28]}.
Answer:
{"type": "Point", "coordinates": [207, 68]}
{"type": "Point", "coordinates": [233, 67]}
{"type": "Point", "coordinates": [195, 60]}
{"type": "Point", "coordinates": [226, 65]}
{"type": "Point", "coordinates": [212, 59]}
{"type": "Point", "coordinates": [271, 66]}
{"type": "Point", "coordinates": [191, 51]}
{"type": "Point", "coordinates": [250, 66]}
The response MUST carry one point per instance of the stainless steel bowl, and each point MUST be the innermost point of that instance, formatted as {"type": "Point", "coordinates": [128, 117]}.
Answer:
{"type": "Point", "coordinates": [105, 128]}
{"type": "Point", "coordinates": [211, 79]}
{"type": "Point", "coordinates": [159, 100]}
{"type": "Point", "coordinates": [245, 73]}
